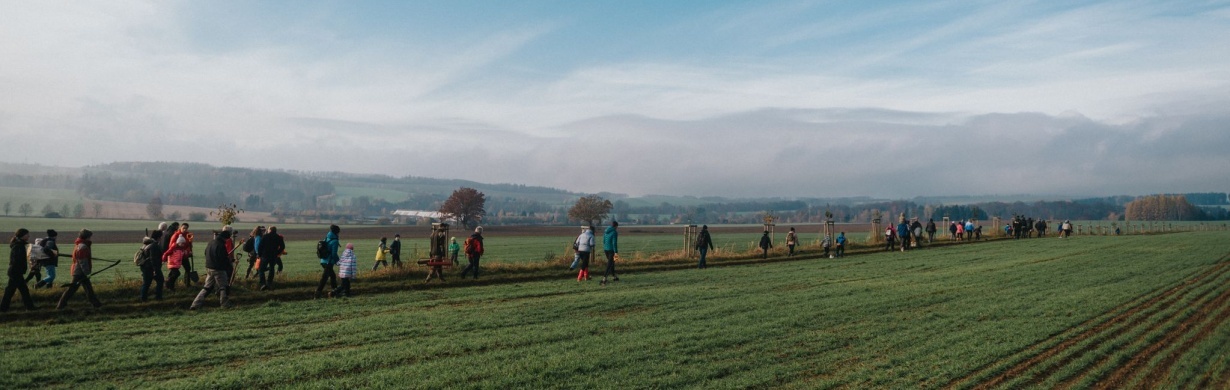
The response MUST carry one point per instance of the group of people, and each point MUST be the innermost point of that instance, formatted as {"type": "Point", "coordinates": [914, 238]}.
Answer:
{"type": "Point", "coordinates": [584, 246]}
{"type": "Point", "coordinates": [171, 244]}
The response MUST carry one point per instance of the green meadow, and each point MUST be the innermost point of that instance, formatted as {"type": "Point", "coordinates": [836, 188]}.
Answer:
{"type": "Point", "coordinates": [1086, 312]}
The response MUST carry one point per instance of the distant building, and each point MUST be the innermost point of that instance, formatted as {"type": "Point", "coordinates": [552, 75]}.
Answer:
{"type": "Point", "coordinates": [403, 216]}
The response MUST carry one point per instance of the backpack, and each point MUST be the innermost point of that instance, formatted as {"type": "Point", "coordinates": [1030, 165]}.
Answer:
{"type": "Point", "coordinates": [249, 245]}
{"type": "Point", "coordinates": [473, 246]}
{"type": "Point", "coordinates": [142, 256]}
{"type": "Point", "coordinates": [322, 249]}
{"type": "Point", "coordinates": [38, 252]}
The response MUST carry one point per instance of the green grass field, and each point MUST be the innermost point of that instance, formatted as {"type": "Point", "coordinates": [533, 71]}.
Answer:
{"type": "Point", "coordinates": [1088, 312]}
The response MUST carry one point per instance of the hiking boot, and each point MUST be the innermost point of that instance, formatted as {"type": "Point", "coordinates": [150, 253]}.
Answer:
{"type": "Point", "coordinates": [40, 284]}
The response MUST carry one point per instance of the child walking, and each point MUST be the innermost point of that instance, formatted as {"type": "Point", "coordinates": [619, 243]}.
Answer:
{"type": "Point", "coordinates": [382, 252]}
{"type": "Point", "coordinates": [348, 266]}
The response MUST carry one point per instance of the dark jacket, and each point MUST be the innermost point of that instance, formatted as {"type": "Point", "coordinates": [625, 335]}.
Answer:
{"type": "Point", "coordinates": [703, 239]}
{"type": "Point", "coordinates": [216, 256]}
{"type": "Point", "coordinates": [17, 259]}
{"type": "Point", "coordinates": [49, 243]}
{"type": "Point", "coordinates": [395, 248]}
{"type": "Point", "coordinates": [271, 247]}
{"type": "Point", "coordinates": [765, 242]}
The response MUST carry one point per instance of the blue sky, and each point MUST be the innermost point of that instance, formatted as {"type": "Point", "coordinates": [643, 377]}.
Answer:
{"type": "Point", "coordinates": [757, 98]}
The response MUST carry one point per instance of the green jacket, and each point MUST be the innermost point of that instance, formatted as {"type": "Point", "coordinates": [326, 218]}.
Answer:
{"type": "Point", "coordinates": [610, 239]}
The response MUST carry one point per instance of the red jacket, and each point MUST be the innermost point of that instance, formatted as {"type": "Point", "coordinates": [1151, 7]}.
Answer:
{"type": "Point", "coordinates": [83, 263]}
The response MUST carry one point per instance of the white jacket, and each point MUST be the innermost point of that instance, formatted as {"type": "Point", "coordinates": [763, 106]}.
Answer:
{"type": "Point", "coordinates": [585, 241]}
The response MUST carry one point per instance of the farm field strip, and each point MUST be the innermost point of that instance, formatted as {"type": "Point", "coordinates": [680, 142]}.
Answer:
{"type": "Point", "coordinates": [955, 316]}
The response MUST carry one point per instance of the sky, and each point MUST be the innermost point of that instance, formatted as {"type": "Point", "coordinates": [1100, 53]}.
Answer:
{"type": "Point", "coordinates": [889, 99]}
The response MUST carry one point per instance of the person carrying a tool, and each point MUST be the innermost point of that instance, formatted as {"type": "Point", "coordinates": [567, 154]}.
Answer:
{"type": "Point", "coordinates": [82, 266]}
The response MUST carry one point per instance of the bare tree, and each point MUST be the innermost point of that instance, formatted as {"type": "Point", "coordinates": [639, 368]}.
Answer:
{"type": "Point", "coordinates": [466, 205]}
{"type": "Point", "coordinates": [590, 209]}
{"type": "Point", "coordinates": [25, 209]}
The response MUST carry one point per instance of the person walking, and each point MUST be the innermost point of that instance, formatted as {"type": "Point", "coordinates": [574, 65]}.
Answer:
{"type": "Point", "coordinates": [218, 270]}
{"type": "Point", "coordinates": [151, 267]}
{"type": "Point", "coordinates": [610, 247]}
{"type": "Point", "coordinates": [585, 246]}
{"type": "Point", "coordinates": [704, 243]}
{"type": "Point", "coordinates": [916, 232]}
{"type": "Point", "coordinates": [382, 252]}
{"type": "Point", "coordinates": [252, 248]}
{"type": "Point", "coordinates": [269, 248]}
{"type": "Point", "coordinates": [347, 267]}
{"type": "Point", "coordinates": [952, 231]}
{"type": "Point", "coordinates": [174, 258]}
{"type": "Point", "coordinates": [930, 230]}
{"type": "Point", "coordinates": [474, 251]}
{"type": "Point", "coordinates": [841, 244]}
{"type": "Point", "coordinates": [18, 262]}
{"type": "Point", "coordinates": [83, 265]}
{"type": "Point", "coordinates": [960, 231]}
{"type": "Point", "coordinates": [791, 241]}
{"type": "Point", "coordinates": [765, 244]}
{"type": "Point", "coordinates": [186, 259]}
{"type": "Point", "coordinates": [826, 243]}
{"type": "Point", "coordinates": [328, 260]}
{"type": "Point", "coordinates": [52, 261]}
{"type": "Point", "coordinates": [969, 230]}
{"type": "Point", "coordinates": [903, 233]}
{"type": "Point", "coordinates": [453, 249]}
{"type": "Point", "coordinates": [395, 250]}
{"type": "Point", "coordinates": [889, 237]}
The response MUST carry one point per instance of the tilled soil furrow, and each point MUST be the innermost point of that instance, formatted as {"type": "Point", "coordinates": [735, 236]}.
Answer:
{"type": "Point", "coordinates": [1158, 373]}
{"type": "Point", "coordinates": [1127, 313]}
{"type": "Point", "coordinates": [1201, 299]}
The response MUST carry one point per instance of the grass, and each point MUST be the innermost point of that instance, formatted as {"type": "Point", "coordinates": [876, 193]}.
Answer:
{"type": "Point", "coordinates": [957, 314]}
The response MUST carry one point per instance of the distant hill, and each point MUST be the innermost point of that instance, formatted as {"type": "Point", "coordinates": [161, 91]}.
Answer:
{"type": "Point", "coordinates": [331, 195]}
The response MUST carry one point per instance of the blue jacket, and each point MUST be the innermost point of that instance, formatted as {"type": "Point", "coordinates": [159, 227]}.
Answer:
{"type": "Point", "coordinates": [610, 239]}
{"type": "Point", "coordinates": [841, 239]}
{"type": "Point", "coordinates": [333, 245]}
{"type": "Point", "coordinates": [903, 229]}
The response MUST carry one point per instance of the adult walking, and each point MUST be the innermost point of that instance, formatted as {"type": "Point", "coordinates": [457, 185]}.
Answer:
{"type": "Point", "coordinates": [218, 270]}
{"type": "Point", "coordinates": [151, 267]}
{"type": "Point", "coordinates": [395, 250]}
{"type": "Point", "coordinates": [585, 246]}
{"type": "Point", "coordinates": [765, 244]}
{"type": "Point", "coordinates": [791, 241]}
{"type": "Point", "coordinates": [903, 233]}
{"type": "Point", "coordinates": [17, 271]}
{"type": "Point", "coordinates": [83, 265]}
{"type": "Point", "coordinates": [704, 243]}
{"type": "Point", "coordinates": [930, 230]}
{"type": "Point", "coordinates": [328, 260]}
{"type": "Point", "coordinates": [474, 251]}
{"type": "Point", "coordinates": [841, 244]}
{"type": "Point", "coordinates": [269, 248]}
{"type": "Point", "coordinates": [251, 246]}
{"type": "Point", "coordinates": [610, 246]}
{"type": "Point", "coordinates": [51, 260]}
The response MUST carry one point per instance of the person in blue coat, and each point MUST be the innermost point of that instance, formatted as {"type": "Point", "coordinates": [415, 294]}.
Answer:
{"type": "Point", "coordinates": [903, 234]}
{"type": "Point", "coordinates": [327, 262]}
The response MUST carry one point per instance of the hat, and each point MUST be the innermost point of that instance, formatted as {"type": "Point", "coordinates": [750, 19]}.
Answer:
{"type": "Point", "coordinates": [478, 229]}
{"type": "Point", "coordinates": [454, 239]}
{"type": "Point", "coordinates": [51, 233]}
